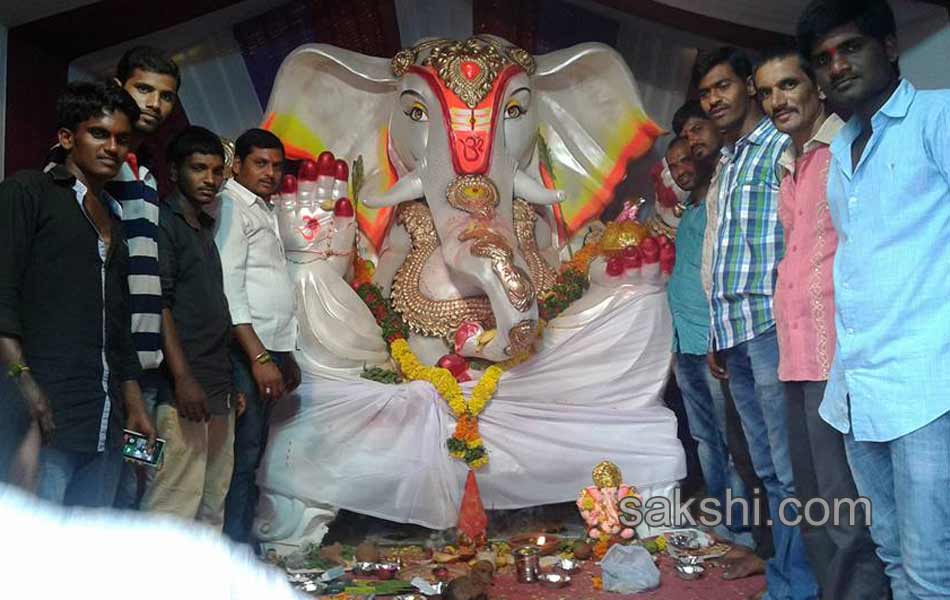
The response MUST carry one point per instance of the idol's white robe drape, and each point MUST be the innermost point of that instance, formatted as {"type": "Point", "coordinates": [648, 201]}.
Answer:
{"type": "Point", "coordinates": [592, 393]}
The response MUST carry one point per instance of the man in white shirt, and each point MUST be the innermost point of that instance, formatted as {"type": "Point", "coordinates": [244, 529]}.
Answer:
{"type": "Point", "coordinates": [262, 301]}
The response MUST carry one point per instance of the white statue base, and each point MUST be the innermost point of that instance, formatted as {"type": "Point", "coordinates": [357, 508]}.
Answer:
{"type": "Point", "coordinates": [593, 392]}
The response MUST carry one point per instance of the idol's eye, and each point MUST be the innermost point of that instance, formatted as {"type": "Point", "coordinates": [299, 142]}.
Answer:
{"type": "Point", "coordinates": [417, 112]}
{"type": "Point", "coordinates": [514, 110]}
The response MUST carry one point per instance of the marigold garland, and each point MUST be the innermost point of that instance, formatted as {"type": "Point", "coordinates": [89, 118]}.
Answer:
{"type": "Point", "coordinates": [602, 546]}
{"type": "Point", "coordinates": [583, 257]}
{"type": "Point", "coordinates": [363, 270]}
{"type": "Point", "coordinates": [570, 286]}
{"type": "Point", "coordinates": [466, 442]}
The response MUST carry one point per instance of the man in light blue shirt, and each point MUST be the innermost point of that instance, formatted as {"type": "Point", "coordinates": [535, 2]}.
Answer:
{"type": "Point", "coordinates": [889, 195]}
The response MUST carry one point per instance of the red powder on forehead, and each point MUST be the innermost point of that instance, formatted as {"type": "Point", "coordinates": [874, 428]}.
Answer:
{"type": "Point", "coordinates": [471, 131]}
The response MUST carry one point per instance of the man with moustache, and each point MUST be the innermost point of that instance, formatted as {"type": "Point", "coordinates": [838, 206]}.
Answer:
{"type": "Point", "coordinates": [65, 338]}
{"type": "Point", "coordinates": [196, 401]}
{"type": "Point", "coordinates": [743, 337]}
{"type": "Point", "coordinates": [841, 552]}
{"type": "Point", "coordinates": [705, 141]}
{"type": "Point", "coordinates": [889, 195]}
{"type": "Point", "coordinates": [702, 394]}
{"type": "Point", "coordinates": [153, 81]}
{"type": "Point", "coordinates": [262, 302]}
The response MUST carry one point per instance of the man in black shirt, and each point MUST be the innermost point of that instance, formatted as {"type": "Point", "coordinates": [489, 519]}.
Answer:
{"type": "Point", "coordinates": [64, 320]}
{"type": "Point", "coordinates": [196, 410]}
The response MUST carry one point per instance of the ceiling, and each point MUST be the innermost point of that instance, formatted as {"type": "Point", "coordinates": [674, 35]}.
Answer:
{"type": "Point", "coordinates": [770, 15]}
{"type": "Point", "coordinates": [18, 12]}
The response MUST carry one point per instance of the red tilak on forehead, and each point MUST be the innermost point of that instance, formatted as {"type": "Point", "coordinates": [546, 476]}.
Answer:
{"type": "Point", "coordinates": [835, 51]}
{"type": "Point", "coordinates": [471, 131]}
{"type": "Point", "coordinates": [832, 52]}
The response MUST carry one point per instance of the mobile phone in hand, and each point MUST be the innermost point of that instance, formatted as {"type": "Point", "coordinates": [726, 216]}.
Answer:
{"type": "Point", "coordinates": [135, 448]}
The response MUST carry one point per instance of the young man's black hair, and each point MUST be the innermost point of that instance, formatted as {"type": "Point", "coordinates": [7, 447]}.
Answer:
{"type": "Point", "coordinates": [148, 59]}
{"type": "Point", "coordinates": [256, 138]}
{"type": "Point", "coordinates": [780, 52]}
{"type": "Point", "coordinates": [691, 110]}
{"type": "Point", "coordinates": [84, 100]}
{"type": "Point", "coordinates": [193, 140]}
{"type": "Point", "coordinates": [873, 18]}
{"type": "Point", "coordinates": [677, 140]}
{"type": "Point", "coordinates": [737, 59]}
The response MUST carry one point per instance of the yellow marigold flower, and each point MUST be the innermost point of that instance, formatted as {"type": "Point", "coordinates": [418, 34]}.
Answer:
{"type": "Point", "coordinates": [450, 391]}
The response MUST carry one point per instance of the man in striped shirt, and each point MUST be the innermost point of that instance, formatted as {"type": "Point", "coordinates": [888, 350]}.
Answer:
{"type": "Point", "coordinates": [153, 81]}
{"type": "Point", "coordinates": [748, 247]}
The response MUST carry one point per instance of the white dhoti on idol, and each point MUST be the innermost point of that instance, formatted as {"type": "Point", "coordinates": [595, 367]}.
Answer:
{"type": "Point", "coordinates": [592, 392]}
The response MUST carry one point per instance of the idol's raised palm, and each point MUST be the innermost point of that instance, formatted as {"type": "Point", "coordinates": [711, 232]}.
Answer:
{"type": "Point", "coordinates": [314, 215]}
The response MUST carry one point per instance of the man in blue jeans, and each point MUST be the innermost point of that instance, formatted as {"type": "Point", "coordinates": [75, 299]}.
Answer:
{"type": "Point", "coordinates": [262, 301]}
{"type": "Point", "coordinates": [702, 393]}
{"type": "Point", "coordinates": [889, 197]}
{"type": "Point", "coordinates": [748, 247]}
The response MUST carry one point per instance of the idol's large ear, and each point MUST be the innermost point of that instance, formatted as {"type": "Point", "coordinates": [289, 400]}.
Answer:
{"type": "Point", "coordinates": [328, 98]}
{"type": "Point", "coordinates": [591, 123]}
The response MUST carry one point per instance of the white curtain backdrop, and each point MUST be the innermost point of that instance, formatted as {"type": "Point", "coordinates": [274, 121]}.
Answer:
{"type": "Point", "coordinates": [216, 89]}
{"type": "Point", "coordinates": [217, 92]}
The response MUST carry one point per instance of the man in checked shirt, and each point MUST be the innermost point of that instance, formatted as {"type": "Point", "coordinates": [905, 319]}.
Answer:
{"type": "Point", "coordinates": [743, 341]}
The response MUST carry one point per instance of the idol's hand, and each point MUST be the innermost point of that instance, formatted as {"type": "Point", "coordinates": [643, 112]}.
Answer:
{"type": "Point", "coordinates": [651, 262]}
{"type": "Point", "coordinates": [315, 217]}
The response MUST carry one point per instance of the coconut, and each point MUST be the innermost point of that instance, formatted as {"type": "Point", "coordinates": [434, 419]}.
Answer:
{"type": "Point", "coordinates": [582, 550]}
{"type": "Point", "coordinates": [367, 552]}
{"type": "Point", "coordinates": [483, 572]}
{"type": "Point", "coordinates": [464, 588]}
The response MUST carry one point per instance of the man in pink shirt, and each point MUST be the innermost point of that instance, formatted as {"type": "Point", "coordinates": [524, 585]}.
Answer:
{"type": "Point", "coordinates": [840, 550]}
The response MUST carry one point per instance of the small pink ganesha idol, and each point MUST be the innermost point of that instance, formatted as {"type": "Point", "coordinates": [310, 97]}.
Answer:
{"type": "Point", "coordinates": [600, 503]}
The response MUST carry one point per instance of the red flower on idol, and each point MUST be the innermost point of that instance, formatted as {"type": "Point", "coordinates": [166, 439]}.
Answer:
{"type": "Point", "coordinates": [650, 251]}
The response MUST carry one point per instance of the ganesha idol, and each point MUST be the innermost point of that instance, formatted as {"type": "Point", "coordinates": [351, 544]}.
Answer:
{"type": "Point", "coordinates": [466, 171]}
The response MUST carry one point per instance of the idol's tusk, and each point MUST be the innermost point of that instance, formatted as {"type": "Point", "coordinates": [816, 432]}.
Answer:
{"type": "Point", "coordinates": [409, 187]}
{"type": "Point", "coordinates": [533, 192]}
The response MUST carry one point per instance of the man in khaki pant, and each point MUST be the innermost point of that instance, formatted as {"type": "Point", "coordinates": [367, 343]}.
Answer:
{"type": "Point", "coordinates": [197, 404]}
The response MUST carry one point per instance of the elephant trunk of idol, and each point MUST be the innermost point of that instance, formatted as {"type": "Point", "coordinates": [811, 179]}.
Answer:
{"type": "Point", "coordinates": [476, 229]}
{"type": "Point", "coordinates": [473, 215]}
